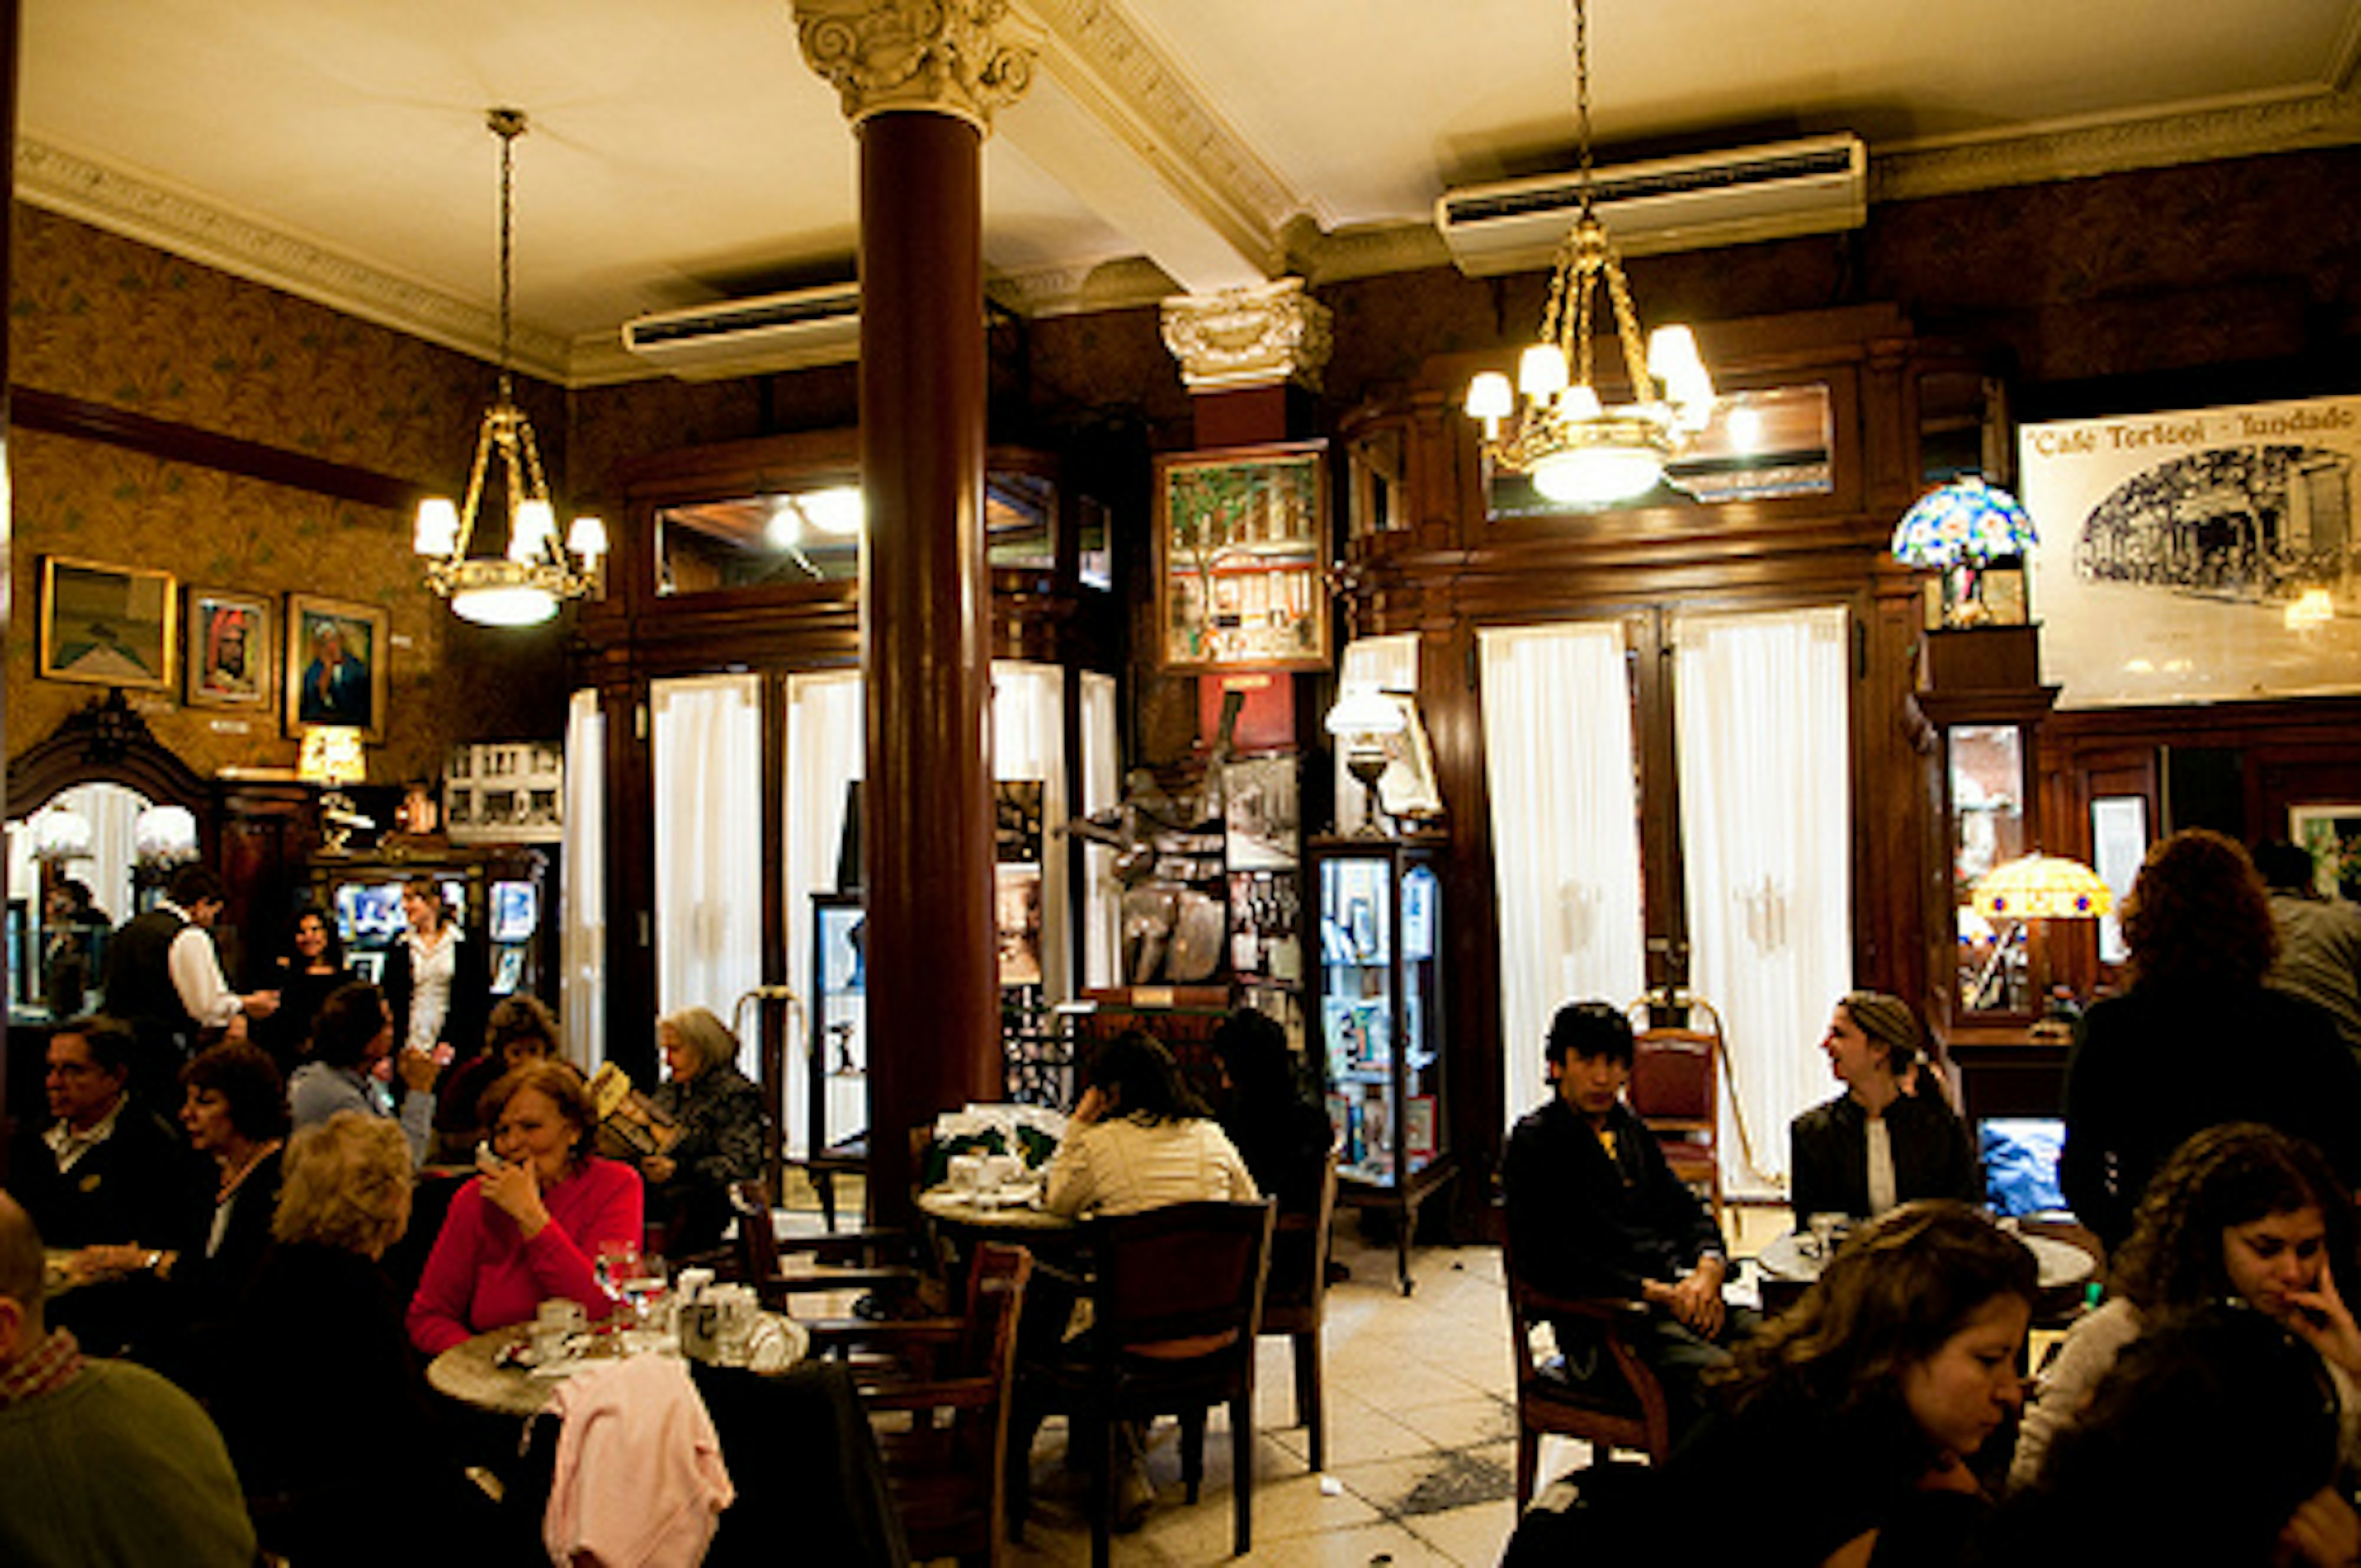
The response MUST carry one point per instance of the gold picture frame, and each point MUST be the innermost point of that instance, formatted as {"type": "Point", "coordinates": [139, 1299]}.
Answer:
{"type": "Point", "coordinates": [108, 626]}
{"type": "Point", "coordinates": [334, 665]}
{"type": "Point", "coordinates": [231, 639]}
{"type": "Point", "coordinates": [1241, 558]}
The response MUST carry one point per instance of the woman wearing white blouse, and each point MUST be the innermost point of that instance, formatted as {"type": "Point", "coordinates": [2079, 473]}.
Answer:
{"type": "Point", "coordinates": [436, 980]}
{"type": "Point", "coordinates": [1141, 1139]}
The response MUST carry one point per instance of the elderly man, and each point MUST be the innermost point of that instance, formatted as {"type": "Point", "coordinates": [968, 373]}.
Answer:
{"type": "Point", "coordinates": [1593, 1211]}
{"type": "Point", "coordinates": [164, 979]}
{"type": "Point", "coordinates": [107, 1177]}
{"type": "Point", "coordinates": [101, 1462]}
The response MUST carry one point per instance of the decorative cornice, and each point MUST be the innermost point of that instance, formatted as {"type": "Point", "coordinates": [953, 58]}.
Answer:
{"type": "Point", "coordinates": [1148, 103]}
{"type": "Point", "coordinates": [1123, 284]}
{"type": "Point", "coordinates": [1368, 251]}
{"type": "Point", "coordinates": [964, 58]}
{"type": "Point", "coordinates": [1249, 337]}
{"type": "Point", "coordinates": [2078, 149]}
{"type": "Point", "coordinates": [153, 214]}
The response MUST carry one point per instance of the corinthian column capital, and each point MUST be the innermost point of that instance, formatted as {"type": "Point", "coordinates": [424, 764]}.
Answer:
{"type": "Point", "coordinates": [1248, 338]}
{"type": "Point", "coordinates": [964, 58]}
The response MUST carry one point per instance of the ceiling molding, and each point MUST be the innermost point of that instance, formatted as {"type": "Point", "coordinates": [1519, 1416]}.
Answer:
{"type": "Point", "coordinates": [2078, 149]}
{"type": "Point", "coordinates": [153, 214]}
{"type": "Point", "coordinates": [1150, 106]}
{"type": "Point", "coordinates": [1126, 284]}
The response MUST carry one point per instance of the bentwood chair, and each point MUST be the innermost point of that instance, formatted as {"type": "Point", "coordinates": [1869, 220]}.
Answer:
{"type": "Point", "coordinates": [865, 1261]}
{"type": "Point", "coordinates": [1597, 1389]}
{"type": "Point", "coordinates": [1176, 1297]}
{"type": "Point", "coordinates": [1295, 1303]}
{"type": "Point", "coordinates": [940, 1387]}
{"type": "Point", "coordinates": [1677, 1088]}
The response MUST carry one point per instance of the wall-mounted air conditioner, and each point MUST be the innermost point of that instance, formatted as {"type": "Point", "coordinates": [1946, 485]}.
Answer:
{"type": "Point", "coordinates": [749, 337]}
{"type": "Point", "coordinates": [1815, 186]}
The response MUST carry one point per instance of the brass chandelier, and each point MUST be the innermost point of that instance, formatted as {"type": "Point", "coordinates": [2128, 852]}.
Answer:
{"type": "Point", "coordinates": [525, 586]}
{"type": "Point", "coordinates": [1574, 446]}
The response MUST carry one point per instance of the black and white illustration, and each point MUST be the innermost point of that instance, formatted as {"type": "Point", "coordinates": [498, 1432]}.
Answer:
{"type": "Point", "coordinates": [2198, 556]}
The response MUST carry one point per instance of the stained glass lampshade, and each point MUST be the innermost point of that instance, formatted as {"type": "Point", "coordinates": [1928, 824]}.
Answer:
{"type": "Point", "coordinates": [2042, 887]}
{"type": "Point", "coordinates": [1964, 523]}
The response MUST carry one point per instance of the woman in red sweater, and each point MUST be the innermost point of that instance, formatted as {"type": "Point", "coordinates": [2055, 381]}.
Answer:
{"type": "Point", "coordinates": [526, 1230]}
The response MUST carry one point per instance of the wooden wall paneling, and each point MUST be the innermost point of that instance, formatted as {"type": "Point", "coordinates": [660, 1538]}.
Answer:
{"type": "Point", "coordinates": [1450, 701]}
{"type": "Point", "coordinates": [630, 857]}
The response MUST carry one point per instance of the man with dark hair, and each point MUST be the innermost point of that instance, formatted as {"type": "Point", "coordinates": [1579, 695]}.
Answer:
{"type": "Point", "coordinates": [2320, 937]}
{"type": "Point", "coordinates": [100, 1460]}
{"type": "Point", "coordinates": [1593, 1211]}
{"type": "Point", "coordinates": [164, 979]}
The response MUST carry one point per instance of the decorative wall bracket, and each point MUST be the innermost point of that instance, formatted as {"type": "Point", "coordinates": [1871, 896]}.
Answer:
{"type": "Point", "coordinates": [965, 58]}
{"type": "Point", "coordinates": [1254, 336]}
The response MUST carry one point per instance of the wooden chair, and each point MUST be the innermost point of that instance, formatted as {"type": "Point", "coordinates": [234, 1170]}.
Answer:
{"type": "Point", "coordinates": [1676, 1089]}
{"type": "Point", "coordinates": [1614, 1403]}
{"type": "Point", "coordinates": [951, 1378]}
{"type": "Point", "coordinates": [1295, 1303]}
{"type": "Point", "coordinates": [875, 1262]}
{"type": "Point", "coordinates": [1177, 1297]}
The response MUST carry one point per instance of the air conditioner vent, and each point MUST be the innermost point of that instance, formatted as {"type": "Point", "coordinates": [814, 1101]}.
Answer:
{"type": "Point", "coordinates": [748, 337]}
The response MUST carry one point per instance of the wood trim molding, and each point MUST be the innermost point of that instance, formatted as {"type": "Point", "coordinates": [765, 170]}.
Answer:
{"type": "Point", "coordinates": [56, 413]}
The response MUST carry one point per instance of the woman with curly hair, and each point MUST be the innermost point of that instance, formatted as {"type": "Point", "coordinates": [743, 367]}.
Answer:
{"type": "Point", "coordinates": [2197, 1039]}
{"type": "Point", "coordinates": [2239, 1210]}
{"type": "Point", "coordinates": [1846, 1426]}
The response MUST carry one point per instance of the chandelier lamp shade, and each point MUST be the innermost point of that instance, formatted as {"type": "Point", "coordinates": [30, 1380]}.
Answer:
{"type": "Point", "coordinates": [1960, 529]}
{"type": "Point", "coordinates": [1552, 424]}
{"type": "Point", "coordinates": [164, 836]}
{"type": "Point", "coordinates": [61, 835]}
{"type": "Point", "coordinates": [525, 585]}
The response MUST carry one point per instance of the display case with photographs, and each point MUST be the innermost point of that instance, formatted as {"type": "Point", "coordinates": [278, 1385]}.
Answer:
{"type": "Point", "coordinates": [836, 1129]}
{"type": "Point", "coordinates": [497, 895]}
{"type": "Point", "coordinates": [1379, 1014]}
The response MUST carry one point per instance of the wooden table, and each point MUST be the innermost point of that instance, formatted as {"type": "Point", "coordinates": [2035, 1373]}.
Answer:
{"type": "Point", "coordinates": [964, 1210]}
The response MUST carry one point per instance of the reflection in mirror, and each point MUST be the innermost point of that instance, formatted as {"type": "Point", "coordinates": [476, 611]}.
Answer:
{"type": "Point", "coordinates": [56, 941]}
{"type": "Point", "coordinates": [789, 538]}
{"type": "Point", "coordinates": [1987, 770]}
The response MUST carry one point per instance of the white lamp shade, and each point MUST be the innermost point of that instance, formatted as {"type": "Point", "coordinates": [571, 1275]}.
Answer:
{"type": "Point", "coordinates": [1580, 402]}
{"type": "Point", "coordinates": [510, 604]}
{"type": "Point", "coordinates": [588, 538]}
{"type": "Point", "coordinates": [331, 756]}
{"type": "Point", "coordinates": [438, 527]}
{"type": "Point", "coordinates": [165, 833]}
{"type": "Point", "coordinates": [1365, 710]}
{"type": "Point", "coordinates": [1541, 372]}
{"type": "Point", "coordinates": [1489, 396]}
{"type": "Point", "coordinates": [61, 835]}
{"type": "Point", "coordinates": [530, 529]}
{"type": "Point", "coordinates": [838, 510]}
{"type": "Point", "coordinates": [1592, 476]}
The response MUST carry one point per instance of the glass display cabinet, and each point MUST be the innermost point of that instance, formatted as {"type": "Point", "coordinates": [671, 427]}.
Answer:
{"type": "Point", "coordinates": [1380, 1021]}
{"type": "Point", "coordinates": [837, 1056]}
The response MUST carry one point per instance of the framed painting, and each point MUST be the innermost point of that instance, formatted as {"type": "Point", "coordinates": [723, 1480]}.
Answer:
{"type": "Point", "coordinates": [1241, 558]}
{"type": "Point", "coordinates": [228, 639]}
{"type": "Point", "coordinates": [108, 626]}
{"type": "Point", "coordinates": [2333, 835]}
{"type": "Point", "coordinates": [335, 664]}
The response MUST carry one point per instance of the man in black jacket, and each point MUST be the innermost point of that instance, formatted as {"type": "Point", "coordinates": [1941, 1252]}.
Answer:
{"type": "Point", "coordinates": [1593, 1211]}
{"type": "Point", "coordinates": [164, 980]}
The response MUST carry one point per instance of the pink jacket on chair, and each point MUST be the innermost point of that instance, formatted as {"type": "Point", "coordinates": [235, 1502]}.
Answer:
{"type": "Point", "coordinates": [639, 1481]}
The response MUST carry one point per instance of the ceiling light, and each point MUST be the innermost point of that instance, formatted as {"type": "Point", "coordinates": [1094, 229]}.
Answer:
{"type": "Point", "coordinates": [1575, 446]}
{"type": "Point", "coordinates": [522, 588]}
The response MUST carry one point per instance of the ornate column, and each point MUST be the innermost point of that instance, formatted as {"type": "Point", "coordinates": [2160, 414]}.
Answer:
{"type": "Point", "coordinates": [919, 80]}
{"type": "Point", "coordinates": [1241, 350]}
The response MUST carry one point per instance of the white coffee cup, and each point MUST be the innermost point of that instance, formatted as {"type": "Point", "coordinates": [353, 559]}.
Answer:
{"type": "Point", "coordinates": [1000, 1170]}
{"type": "Point", "coordinates": [967, 1172]}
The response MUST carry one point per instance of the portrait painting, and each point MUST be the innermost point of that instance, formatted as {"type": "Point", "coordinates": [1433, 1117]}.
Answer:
{"type": "Point", "coordinates": [109, 626]}
{"type": "Point", "coordinates": [229, 645]}
{"type": "Point", "coordinates": [2333, 835]}
{"type": "Point", "coordinates": [335, 665]}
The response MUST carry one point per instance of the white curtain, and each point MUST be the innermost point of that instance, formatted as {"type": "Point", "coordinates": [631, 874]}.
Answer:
{"type": "Point", "coordinates": [1566, 831]}
{"type": "Point", "coordinates": [582, 936]}
{"type": "Point", "coordinates": [1388, 663]}
{"type": "Point", "coordinates": [1764, 743]}
{"type": "Point", "coordinates": [1029, 742]}
{"type": "Point", "coordinates": [707, 735]}
{"type": "Point", "coordinates": [1101, 787]}
{"type": "Point", "coordinates": [825, 727]}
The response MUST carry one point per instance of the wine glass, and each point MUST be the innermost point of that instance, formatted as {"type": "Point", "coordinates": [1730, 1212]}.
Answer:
{"type": "Point", "coordinates": [613, 1263]}
{"type": "Point", "coordinates": [643, 1290]}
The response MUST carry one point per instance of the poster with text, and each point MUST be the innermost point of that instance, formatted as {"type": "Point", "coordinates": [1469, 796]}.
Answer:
{"type": "Point", "coordinates": [2199, 556]}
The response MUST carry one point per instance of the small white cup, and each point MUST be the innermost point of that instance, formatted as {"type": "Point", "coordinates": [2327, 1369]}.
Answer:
{"type": "Point", "coordinates": [999, 1170]}
{"type": "Point", "coordinates": [967, 1172]}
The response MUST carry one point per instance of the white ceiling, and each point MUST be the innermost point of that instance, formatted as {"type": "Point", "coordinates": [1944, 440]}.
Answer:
{"type": "Point", "coordinates": [682, 152]}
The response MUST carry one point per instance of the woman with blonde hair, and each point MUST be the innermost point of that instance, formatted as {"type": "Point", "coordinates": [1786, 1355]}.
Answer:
{"type": "Point", "coordinates": [326, 1409]}
{"type": "Point", "coordinates": [1891, 1136]}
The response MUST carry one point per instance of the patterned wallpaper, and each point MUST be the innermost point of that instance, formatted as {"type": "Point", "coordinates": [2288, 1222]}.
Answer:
{"type": "Point", "coordinates": [113, 322]}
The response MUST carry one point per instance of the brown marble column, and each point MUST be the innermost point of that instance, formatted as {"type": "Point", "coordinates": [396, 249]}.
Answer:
{"type": "Point", "coordinates": [919, 81]}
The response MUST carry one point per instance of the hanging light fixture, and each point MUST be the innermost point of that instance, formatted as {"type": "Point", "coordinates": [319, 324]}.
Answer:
{"type": "Point", "coordinates": [522, 588]}
{"type": "Point", "coordinates": [1574, 447]}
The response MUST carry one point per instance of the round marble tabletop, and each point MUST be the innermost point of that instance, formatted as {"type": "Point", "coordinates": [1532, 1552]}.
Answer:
{"type": "Point", "coordinates": [473, 1372]}
{"type": "Point", "coordinates": [1787, 1258]}
{"type": "Point", "coordinates": [989, 1212]}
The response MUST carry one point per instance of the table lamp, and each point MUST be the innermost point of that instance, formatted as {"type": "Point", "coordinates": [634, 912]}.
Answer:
{"type": "Point", "coordinates": [1362, 719]}
{"type": "Point", "coordinates": [332, 758]}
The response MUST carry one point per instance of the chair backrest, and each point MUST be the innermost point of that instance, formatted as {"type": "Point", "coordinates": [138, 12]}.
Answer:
{"type": "Point", "coordinates": [758, 1239]}
{"type": "Point", "coordinates": [1186, 1278]}
{"type": "Point", "coordinates": [1297, 1292]}
{"type": "Point", "coordinates": [1674, 1076]}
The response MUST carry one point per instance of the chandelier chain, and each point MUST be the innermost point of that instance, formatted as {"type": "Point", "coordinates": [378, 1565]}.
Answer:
{"type": "Point", "coordinates": [508, 124]}
{"type": "Point", "coordinates": [1582, 96]}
